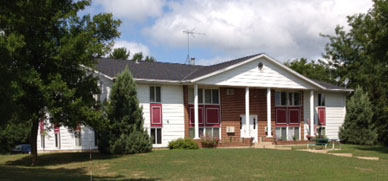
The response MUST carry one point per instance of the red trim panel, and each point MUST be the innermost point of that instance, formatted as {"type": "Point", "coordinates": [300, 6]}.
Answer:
{"type": "Point", "coordinates": [288, 116]}
{"type": "Point", "coordinates": [156, 115]}
{"type": "Point", "coordinates": [294, 117]}
{"type": "Point", "coordinates": [209, 115]}
{"type": "Point", "coordinates": [200, 115]}
{"type": "Point", "coordinates": [212, 115]}
{"type": "Point", "coordinates": [322, 115]}
{"type": "Point", "coordinates": [41, 126]}
{"type": "Point", "coordinates": [57, 129]}
{"type": "Point", "coordinates": [281, 116]}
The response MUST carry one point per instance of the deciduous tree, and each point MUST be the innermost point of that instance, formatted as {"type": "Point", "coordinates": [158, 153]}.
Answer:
{"type": "Point", "coordinates": [119, 53]}
{"type": "Point", "coordinates": [360, 54]}
{"type": "Point", "coordinates": [42, 47]}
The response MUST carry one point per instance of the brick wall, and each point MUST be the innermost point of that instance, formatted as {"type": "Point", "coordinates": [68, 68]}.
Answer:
{"type": "Point", "coordinates": [232, 106]}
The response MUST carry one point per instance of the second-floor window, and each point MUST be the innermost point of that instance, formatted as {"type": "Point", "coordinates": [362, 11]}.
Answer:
{"type": "Point", "coordinates": [207, 96]}
{"type": "Point", "coordinates": [155, 96]}
{"type": "Point", "coordinates": [288, 99]}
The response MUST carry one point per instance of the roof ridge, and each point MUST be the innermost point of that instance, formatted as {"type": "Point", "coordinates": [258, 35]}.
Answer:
{"type": "Point", "coordinates": [154, 62]}
{"type": "Point", "coordinates": [236, 59]}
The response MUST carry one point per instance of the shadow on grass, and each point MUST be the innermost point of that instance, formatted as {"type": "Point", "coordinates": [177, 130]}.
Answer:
{"type": "Point", "coordinates": [38, 173]}
{"type": "Point", "coordinates": [59, 158]}
{"type": "Point", "coordinates": [380, 149]}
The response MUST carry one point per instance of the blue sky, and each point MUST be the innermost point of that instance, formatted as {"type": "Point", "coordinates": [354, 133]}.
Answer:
{"type": "Point", "coordinates": [234, 28]}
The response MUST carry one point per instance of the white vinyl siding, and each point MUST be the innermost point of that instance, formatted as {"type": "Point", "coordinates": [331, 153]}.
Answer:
{"type": "Point", "coordinates": [335, 112]}
{"type": "Point", "coordinates": [172, 111]}
{"type": "Point", "coordinates": [249, 75]}
{"type": "Point", "coordinates": [67, 140]}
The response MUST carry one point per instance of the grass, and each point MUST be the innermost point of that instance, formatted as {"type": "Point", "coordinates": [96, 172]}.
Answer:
{"type": "Point", "coordinates": [203, 164]}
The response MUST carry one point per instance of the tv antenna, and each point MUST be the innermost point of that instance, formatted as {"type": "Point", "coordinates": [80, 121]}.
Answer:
{"type": "Point", "coordinates": [190, 33]}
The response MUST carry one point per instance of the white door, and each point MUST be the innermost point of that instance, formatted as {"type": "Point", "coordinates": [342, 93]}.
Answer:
{"type": "Point", "coordinates": [252, 127]}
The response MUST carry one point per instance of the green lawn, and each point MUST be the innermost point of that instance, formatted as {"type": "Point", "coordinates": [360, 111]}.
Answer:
{"type": "Point", "coordinates": [203, 164]}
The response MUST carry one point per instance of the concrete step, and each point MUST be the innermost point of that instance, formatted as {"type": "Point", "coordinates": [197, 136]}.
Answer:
{"type": "Point", "coordinates": [367, 158]}
{"type": "Point", "coordinates": [342, 154]}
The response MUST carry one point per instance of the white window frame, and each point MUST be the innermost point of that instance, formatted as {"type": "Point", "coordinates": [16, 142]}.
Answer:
{"type": "Point", "coordinates": [203, 90]}
{"type": "Point", "coordinates": [42, 141]}
{"type": "Point", "coordinates": [156, 136]}
{"type": "Point", "coordinates": [287, 131]}
{"type": "Point", "coordinates": [57, 137]}
{"type": "Point", "coordinates": [160, 92]}
{"type": "Point", "coordinates": [79, 138]}
{"type": "Point", "coordinates": [204, 131]}
{"type": "Point", "coordinates": [323, 97]}
{"type": "Point", "coordinates": [288, 103]}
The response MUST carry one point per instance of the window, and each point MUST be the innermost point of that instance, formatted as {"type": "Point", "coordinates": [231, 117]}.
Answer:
{"type": "Point", "coordinates": [95, 138]}
{"type": "Point", "coordinates": [78, 139]}
{"type": "Point", "coordinates": [57, 140]}
{"type": "Point", "coordinates": [281, 133]}
{"type": "Point", "coordinates": [208, 132]}
{"type": "Point", "coordinates": [321, 100]}
{"type": "Point", "coordinates": [294, 99]}
{"type": "Point", "coordinates": [211, 96]}
{"type": "Point", "coordinates": [155, 94]}
{"type": "Point", "coordinates": [57, 134]}
{"type": "Point", "coordinates": [208, 96]}
{"type": "Point", "coordinates": [156, 135]}
{"type": "Point", "coordinates": [42, 141]}
{"type": "Point", "coordinates": [215, 96]}
{"type": "Point", "coordinates": [280, 98]}
{"type": "Point", "coordinates": [322, 131]}
{"type": "Point", "coordinates": [291, 135]}
{"type": "Point", "coordinates": [287, 99]}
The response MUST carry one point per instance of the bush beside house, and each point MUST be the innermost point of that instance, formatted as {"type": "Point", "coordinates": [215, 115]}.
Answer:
{"type": "Point", "coordinates": [181, 143]}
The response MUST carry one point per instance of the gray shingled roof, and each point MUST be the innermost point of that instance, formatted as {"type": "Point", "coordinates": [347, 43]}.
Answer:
{"type": "Point", "coordinates": [161, 70]}
{"type": "Point", "coordinates": [327, 85]}
{"type": "Point", "coordinates": [172, 71]}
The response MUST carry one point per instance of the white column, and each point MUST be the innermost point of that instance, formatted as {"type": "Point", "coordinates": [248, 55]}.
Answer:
{"type": "Point", "coordinates": [311, 113]}
{"type": "Point", "coordinates": [247, 112]}
{"type": "Point", "coordinates": [269, 128]}
{"type": "Point", "coordinates": [196, 120]}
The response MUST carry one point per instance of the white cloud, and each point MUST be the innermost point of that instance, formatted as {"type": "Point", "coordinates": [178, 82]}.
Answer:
{"type": "Point", "coordinates": [284, 29]}
{"type": "Point", "coordinates": [133, 47]}
{"type": "Point", "coordinates": [132, 9]}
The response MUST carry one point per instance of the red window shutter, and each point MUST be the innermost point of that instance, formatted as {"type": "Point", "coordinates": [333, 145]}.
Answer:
{"type": "Point", "coordinates": [156, 115]}
{"type": "Point", "coordinates": [41, 126]}
{"type": "Point", "coordinates": [294, 116]}
{"type": "Point", "coordinates": [281, 116]}
{"type": "Point", "coordinates": [57, 128]}
{"type": "Point", "coordinates": [212, 115]}
{"type": "Point", "coordinates": [200, 115]}
{"type": "Point", "coordinates": [322, 115]}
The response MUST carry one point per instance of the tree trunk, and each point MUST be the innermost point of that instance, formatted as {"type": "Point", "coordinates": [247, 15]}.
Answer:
{"type": "Point", "coordinates": [33, 140]}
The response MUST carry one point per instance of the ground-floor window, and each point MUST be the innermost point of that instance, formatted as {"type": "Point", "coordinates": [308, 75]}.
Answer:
{"type": "Point", "coordinates": [95, 138]}
{"type": "Point", "coordinates": [321, 131]}
{"type": "Point", "coordinates": [206, 132]}
{"type": "Point", "coordinates": [42, 141]}
{"type": "Point", "coordinates": [287, 133]}
{"type": "Point", "coordinates": [156, 135]}
{"type": "Point", "coordinates": [78, 139]}
{"type": "Point", "coordinates": [57, 140]}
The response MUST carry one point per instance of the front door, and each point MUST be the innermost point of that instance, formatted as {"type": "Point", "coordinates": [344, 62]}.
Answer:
{"type": "Point", "coordinates": [252, 127]}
